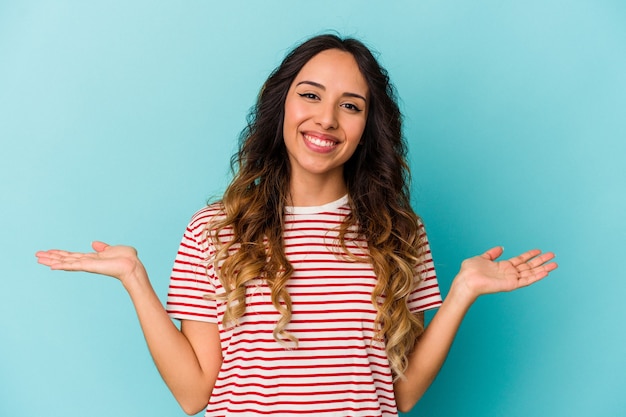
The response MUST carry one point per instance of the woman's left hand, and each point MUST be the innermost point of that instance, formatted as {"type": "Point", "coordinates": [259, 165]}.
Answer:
{"type": "Point", "coordinates": [484, 275]}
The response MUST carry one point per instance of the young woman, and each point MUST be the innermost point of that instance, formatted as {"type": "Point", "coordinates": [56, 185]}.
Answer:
{"type": "Point", "coordinates": [302, 290]}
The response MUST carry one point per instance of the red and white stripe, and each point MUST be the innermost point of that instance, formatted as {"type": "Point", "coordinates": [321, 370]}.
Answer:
{"type": "Point", "coordinates": [336, 370]}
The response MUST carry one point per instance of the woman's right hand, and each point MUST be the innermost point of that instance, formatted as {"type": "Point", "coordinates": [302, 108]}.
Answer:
{"type": "Point", "coordinates": [120, 262]}
{"type": "Point", "coordinates": [189, 360]}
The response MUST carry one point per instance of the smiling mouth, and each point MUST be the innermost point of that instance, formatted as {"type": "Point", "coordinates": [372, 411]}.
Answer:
{"type": "Point", "coordinates": [323, 143]}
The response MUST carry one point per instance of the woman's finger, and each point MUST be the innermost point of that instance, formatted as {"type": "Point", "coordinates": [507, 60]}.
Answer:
{"type": "Point", "coordinates": [540, 260]}
{"type": "Point", "coordinates": [493, 253]}
{"type": "Point", "coordinates": [99, 246]}
{"type": "Point", "coordinates": [59, 259]}
{"type": "Point", "coordinates": [537, 272]}
{"type": "Point", "coordinates": [524, 257]}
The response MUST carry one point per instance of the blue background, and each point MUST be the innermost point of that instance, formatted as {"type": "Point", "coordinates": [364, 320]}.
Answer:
{"type": "Point", "coordinates": [117, 121]}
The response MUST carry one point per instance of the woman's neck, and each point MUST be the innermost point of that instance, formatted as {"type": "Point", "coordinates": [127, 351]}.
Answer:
{"type": "Point", "coordinates": [315, 192]}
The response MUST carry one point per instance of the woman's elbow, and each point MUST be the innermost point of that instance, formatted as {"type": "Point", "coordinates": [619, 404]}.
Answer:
{"type": "Point", "coordinates": [192, 409]}
{"type": "Point", "coordinates": [405, 406]}
{"type": "Point", "coordinates": [192, 406]}
{"type": "Point", "coordinates": [405, 401]}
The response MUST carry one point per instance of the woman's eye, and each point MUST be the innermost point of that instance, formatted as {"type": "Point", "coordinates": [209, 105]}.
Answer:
{"type": "Point", "coordinates": [310, 96]}
{"type": "Point", "coordinates": [352, 107]}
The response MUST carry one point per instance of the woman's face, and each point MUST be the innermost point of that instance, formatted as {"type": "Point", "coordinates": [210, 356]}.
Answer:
{"type": "Point", "coordinates": [325, 113]}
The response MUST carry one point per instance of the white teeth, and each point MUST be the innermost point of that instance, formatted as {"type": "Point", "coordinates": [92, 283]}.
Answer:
{"type": "Point", "coordinates": [319, 142]}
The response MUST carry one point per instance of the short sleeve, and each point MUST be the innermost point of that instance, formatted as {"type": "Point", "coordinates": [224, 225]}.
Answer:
{"type": "Point", "coordinates": [191, 286]}
{"type": "Point", "coordinates": [426, 295]}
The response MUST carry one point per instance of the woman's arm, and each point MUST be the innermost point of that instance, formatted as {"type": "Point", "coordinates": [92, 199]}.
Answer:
{"type": "Point", "coordinates": [189, 359]}
{"type": "Point", "coordinates": [479, 275]}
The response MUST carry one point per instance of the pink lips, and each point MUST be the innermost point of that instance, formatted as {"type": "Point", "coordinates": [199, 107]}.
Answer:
{"type": "Point", "coordinates": [319, 142]}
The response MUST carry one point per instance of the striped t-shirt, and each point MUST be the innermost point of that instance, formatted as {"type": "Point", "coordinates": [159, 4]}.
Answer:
{"type": "Point", "coordinates": [336, 370]}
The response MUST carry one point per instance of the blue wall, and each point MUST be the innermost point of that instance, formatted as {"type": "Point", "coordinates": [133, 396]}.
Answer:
{"type": "Point", "coordinates": [117, 120]}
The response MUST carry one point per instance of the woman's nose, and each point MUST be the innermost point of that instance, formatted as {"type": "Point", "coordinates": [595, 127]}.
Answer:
{"type": "Point", "coordinates": [327, 116]}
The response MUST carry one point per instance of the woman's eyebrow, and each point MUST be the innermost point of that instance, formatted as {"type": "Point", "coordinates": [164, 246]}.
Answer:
{"type": "Point", "coordinates": [322, 87]}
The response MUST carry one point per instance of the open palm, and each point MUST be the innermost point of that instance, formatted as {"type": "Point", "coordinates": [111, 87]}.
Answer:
{"type": "Point", "coordinates": [114, 261]}
{"type": "Point", "coordinates": [484, 275]}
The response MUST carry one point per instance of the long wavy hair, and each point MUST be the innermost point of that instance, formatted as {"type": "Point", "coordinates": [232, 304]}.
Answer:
{"type": "Point", "coordinates": [377, 179]}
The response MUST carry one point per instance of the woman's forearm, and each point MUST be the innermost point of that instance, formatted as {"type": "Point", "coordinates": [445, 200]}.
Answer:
{"type": "Point", "coordinates": [478, 275]}
{"type": "Point", "coordinates": [432, 348]}
{"type": "Point", "coordinates": [171, 350]}
{"type": "Point", "coordinates": [188, 359]}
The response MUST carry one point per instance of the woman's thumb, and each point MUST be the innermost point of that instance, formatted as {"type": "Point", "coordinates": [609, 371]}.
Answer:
{"type": "Point", "coordinates": [98, 246]}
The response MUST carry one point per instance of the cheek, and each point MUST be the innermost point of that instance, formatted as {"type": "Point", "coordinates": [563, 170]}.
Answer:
{"type": "Point", "coordinates": [293, 112]}
{"type": "Point", "coordinates": [287, 119]}
{"type": "Point", "coordinates": [356, 130]}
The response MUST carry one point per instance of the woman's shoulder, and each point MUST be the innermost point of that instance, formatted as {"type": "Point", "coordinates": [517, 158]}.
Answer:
{"type": "Point", "coordinates": [211, 212]}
